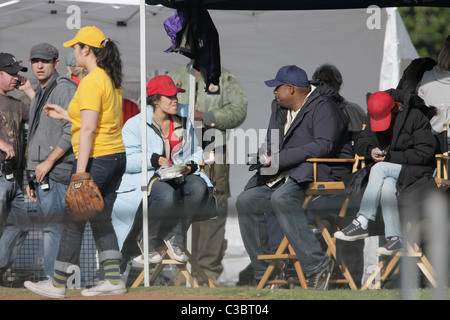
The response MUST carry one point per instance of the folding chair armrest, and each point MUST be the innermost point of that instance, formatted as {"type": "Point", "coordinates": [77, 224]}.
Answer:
{"type": "Point", "coordinates": [442, 156]}
{"type": "Point", "coordinates": [442, 166]}
{"type": "Point", "coordinates": [357, 161]}
{"type": "Point", "coordinates": [337, 160]}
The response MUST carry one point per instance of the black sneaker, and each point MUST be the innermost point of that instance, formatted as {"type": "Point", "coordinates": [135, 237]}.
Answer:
{"type": "Point", "coordinates": [319, 281]}
{"type": "Point", "coordinates": [393, 245]}
{"type": "Point", "coordinates": [352, 232]}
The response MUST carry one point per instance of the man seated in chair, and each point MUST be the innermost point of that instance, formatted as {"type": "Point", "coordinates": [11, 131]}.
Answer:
{"type": "Point", "coordinates": [399, 141]}
{"type": "Point", "coordinates": [305, 122]}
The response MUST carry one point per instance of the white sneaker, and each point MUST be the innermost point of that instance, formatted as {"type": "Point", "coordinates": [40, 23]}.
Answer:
{"type": "Point", "coordinates": [154, 257]}
{"type": "Point", "coordinates": [46, 288]}
{"type": "Point", "coordinates": [104, 288]}
{"type": "Point", "coordinates": [176, 251]}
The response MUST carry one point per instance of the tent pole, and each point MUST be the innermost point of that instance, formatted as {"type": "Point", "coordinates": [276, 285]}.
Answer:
{"type": "Point", "coordinates": [143, 68]}
{"type": "Point", "coordinates": [192, 104]}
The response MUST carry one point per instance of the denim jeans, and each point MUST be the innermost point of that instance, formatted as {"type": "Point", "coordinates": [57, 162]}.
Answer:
{"type": "Point", "coordinates": [172, 208]}
{"type": "Point", "coordinates": [51, 207]}
{"type": "Point", "coordinates": [14, 221]}
{"type": "Point", "coordinates": [107, 173]}
{"type": "Point", "coordinates": [285, 201]}
{"type": "Point", "coordinates": [382, 190]}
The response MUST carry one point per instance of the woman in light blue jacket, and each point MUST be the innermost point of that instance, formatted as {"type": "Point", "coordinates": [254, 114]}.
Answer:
{"type": "Point", "coordinates": [171, 143]}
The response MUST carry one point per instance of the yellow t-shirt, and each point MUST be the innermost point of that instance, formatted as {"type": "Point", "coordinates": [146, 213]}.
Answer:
{"type": "Point", "coordinates": [96, 92]}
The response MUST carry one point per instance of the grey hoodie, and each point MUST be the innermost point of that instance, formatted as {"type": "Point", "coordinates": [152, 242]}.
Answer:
{"type": "Point", "coordinates": [50, 133]}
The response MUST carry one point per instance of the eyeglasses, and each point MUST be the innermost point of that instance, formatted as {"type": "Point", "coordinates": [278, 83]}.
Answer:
{"type": "Point", "coordinates": [15, 63]}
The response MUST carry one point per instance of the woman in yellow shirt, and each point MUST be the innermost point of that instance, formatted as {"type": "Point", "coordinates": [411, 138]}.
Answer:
{"type": "Point", "coordinates": [95, 112]}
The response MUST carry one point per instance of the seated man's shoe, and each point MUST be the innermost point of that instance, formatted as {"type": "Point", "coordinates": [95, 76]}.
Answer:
{"type": "Point", "coordinates": [352, 232]}
{"type": "Point", "coordinates": [320, 280]}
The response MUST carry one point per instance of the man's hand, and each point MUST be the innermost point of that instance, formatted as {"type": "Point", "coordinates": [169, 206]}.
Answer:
{"type": "Point", "coordinates": [7, 149]}
{"type": "Point", "coordinates": [198, 115]}
{"type": "Point", "coordinates": [262, 160]}
{"type": "Point", "coordinates": [24, 85]}
{"type": "Point", "coordinates": [31, 194]}
{"type": "Point", "coordinates": [42, 169]}
{"type": "Point", "coordinates": [56, 112]}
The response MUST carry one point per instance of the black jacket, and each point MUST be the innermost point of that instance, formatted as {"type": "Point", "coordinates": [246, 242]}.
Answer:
{"type": "Point", "coordinates": [413, 145]}
{"type": "Point", "coordinates": [320, 130]}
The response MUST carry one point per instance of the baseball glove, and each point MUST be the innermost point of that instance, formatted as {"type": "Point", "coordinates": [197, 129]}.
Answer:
{"type": "Point", "coordinates": [83, 198]}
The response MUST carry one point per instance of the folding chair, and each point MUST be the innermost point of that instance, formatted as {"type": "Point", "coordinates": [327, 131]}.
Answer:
{"type": "Point", "coordinates": [314, 189]}
{"type": "Point", "coordinates": [389, 266]}
{"type": "Point", "coordinates": [182, 267]}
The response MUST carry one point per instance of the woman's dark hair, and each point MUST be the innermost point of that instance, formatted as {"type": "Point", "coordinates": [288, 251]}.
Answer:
{"type": "Point", "coordinates": [153, 98]}
{"type": "Point", "coordinates": [108, 58]}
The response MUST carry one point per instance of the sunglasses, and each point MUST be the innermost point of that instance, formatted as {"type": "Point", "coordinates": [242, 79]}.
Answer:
{"type": "Point", "coordinates": [16, 63]}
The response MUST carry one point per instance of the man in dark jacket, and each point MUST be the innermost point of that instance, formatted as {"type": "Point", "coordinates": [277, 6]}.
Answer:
{"type": "Point", "coordinates": [398, 138]}
{"type": "Point", "coordinates": [305, 123]}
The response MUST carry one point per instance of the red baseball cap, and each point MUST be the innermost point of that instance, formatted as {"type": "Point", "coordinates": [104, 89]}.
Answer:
{"type": "Point", "coordinates": [163, 85]}
{"type": "Point", "coordinates": [379, 107]}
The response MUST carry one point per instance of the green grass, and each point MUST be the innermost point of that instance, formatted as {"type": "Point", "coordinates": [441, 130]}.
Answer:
{"type": "Point", "coordinates": [251, 293]}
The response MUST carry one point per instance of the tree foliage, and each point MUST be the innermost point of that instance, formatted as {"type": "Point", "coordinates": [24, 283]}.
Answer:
{"type": "Point", "coordinates": [427, 27]}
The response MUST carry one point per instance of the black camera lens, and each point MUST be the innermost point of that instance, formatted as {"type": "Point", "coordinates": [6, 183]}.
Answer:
{"type": "Point", "coordinates": [8, 168]}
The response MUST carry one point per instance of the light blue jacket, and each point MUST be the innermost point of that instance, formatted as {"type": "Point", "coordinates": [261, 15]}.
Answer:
{"type": "Point", "coordinates": [129, 194]}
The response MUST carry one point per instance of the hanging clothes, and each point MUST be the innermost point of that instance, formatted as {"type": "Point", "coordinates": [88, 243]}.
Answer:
{"type": "Point", "coordinates": [194, 35]}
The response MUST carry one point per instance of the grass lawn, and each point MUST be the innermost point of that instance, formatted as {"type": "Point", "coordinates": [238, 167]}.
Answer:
{"type": "Point", "coordinates": [243, 293]}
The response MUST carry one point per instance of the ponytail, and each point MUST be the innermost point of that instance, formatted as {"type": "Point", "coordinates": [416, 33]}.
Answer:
{"type": "Point", "coordinates": [108, 58]}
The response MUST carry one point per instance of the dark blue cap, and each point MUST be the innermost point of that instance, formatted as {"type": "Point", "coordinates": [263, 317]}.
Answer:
{"type": "Point", "coordinates": [291, 75]}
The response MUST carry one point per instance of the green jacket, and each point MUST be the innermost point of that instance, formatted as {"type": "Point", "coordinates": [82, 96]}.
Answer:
{"type": "Point", "coordinates": [226, 110]}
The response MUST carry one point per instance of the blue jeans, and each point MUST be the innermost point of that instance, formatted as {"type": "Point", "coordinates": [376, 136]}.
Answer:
{"type": "Point", "coordinates": [172, 208]}
{"type": "Point", "coordinates": [51, 207]}
{"type": "Point", "coordinates": [285, 200]}
{"type": "Point", "coordinates": [14, 221]}
{"type": "Point", "coordinates": [382, 190]}
{"type": "Point", "coordinates": [106, 171]}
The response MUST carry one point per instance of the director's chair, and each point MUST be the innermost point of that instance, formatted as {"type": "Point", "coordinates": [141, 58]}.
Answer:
{"type": "Point", "coordinates": [314, 189]}
{"type": "Point", "coordinates": [389, 266]}
{"type": "Point", "coordinates": [182, 267]}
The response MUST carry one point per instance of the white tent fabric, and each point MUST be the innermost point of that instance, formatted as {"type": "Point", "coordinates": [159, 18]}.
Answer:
{"type": "Point", "coordinates": [253, 46]}
{"type": "Point", "coordinates": [398, 50]}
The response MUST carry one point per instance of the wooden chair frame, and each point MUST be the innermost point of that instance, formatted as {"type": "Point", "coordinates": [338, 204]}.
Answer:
{"type": "Point", "coordinates": [182, 267]}
{"type": "Point", "coordinates": [389, 266]}
{"type": "Point", "coordinates": [315, 188]}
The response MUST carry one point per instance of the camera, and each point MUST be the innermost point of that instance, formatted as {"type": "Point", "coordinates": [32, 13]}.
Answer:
{"type": "Point", "coordinates": [8, 168]}
{"type": "Point", "coordinates": [31, 177]}
{"type": "Point", "coordinates": [45, 185]}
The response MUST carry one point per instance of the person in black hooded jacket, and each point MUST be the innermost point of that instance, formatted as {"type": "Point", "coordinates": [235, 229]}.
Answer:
{"type": "Point", "coordinates": [305, 123]}
{"type": "Point", "coordinates": [399, 140]}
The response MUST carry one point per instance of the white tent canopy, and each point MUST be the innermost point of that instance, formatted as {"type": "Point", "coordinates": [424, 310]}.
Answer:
{"type": "Point", "coordinates": [253, 46]}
